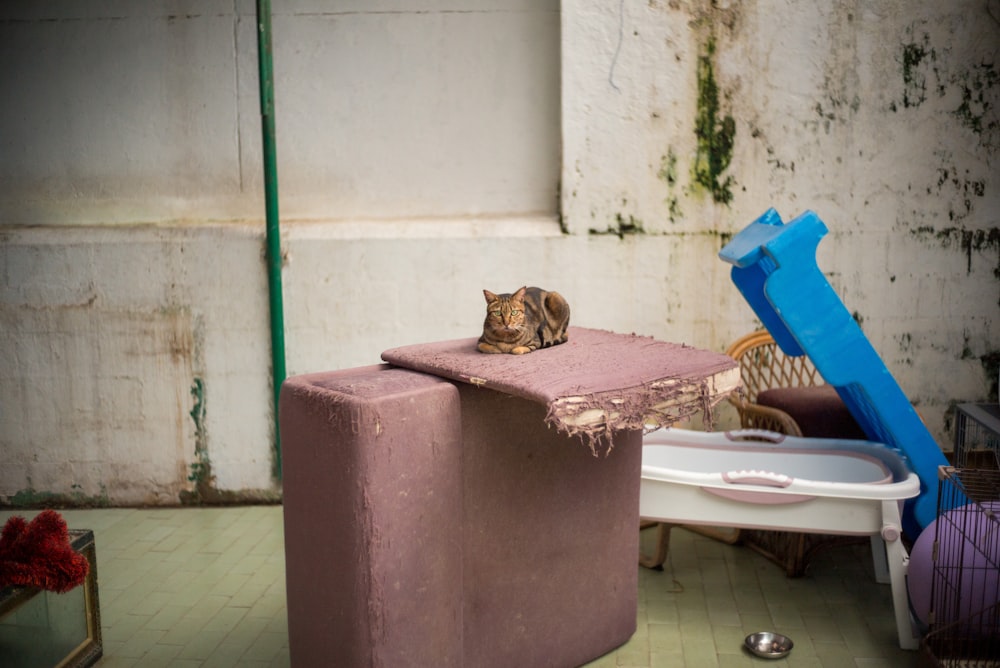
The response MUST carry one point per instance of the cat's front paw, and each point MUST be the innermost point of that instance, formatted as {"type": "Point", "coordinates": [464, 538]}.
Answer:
{"type": "Point", "coordinates": [488, 348]}
{"type": "Point", "coordinates": [520, 350]}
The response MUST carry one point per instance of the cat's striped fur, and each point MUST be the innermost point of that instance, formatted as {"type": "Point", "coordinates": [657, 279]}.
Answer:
{"type": "Point", "coordinates": [528, 319]}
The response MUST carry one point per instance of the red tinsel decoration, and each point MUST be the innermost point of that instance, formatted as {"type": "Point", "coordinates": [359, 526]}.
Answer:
{"type": "Point", "coordinates": [38, 554]}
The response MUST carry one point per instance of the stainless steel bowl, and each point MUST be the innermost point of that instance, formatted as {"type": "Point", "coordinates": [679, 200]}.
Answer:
{"type": "Point", "coordinates": [769, 645]}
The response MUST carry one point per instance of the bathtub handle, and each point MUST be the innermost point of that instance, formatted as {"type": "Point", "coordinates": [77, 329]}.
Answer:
{"type": "Point", "coordinates": [739, 435]}
{"type": "Point", "coordinates": [766, 478]}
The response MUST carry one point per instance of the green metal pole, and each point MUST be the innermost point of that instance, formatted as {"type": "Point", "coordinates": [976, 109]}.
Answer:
{"type": "Point", "coordinates": [264, 60]}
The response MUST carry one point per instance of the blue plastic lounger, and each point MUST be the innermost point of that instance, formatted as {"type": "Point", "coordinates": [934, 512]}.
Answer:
{"type": "Point", "coordinates": [774, 267]}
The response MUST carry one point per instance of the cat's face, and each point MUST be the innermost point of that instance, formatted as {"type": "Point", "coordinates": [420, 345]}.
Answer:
{"type": "Point", "coordinates": [505, 313]}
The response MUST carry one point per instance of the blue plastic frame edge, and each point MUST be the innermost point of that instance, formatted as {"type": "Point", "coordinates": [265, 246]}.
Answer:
{"type": "Point", "coordinates": [774, 267]}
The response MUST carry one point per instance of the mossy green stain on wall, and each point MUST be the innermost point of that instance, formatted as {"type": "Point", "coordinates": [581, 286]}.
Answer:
{"type": "Point", "coordinates": [198, 417]}
{"type": "Point", "coordinates": [201, 468]}
{"type": "Point", "coordinates": [668, 168]}
{"type": "Point", "coordinates": [715, 132]}
{"type": "Point", "coordinates": [32, 498]}
{"type": "Point", "coordinates": [668, 174]}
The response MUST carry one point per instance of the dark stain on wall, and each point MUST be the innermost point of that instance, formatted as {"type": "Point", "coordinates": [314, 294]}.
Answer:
{"type": "Point", "coordinates": [974, 79]}
{"type": "Point", "coordinates": [624, 225]}
{"type": "Point", "coordinates": [968, 241]}
{"type": "Point", "coordinates": [668, 174]}
{"type": "Point", "coordinates": [915, 59]}
{"type": "Point", "coordinates": [978, 109]}
{"type": "Point", "coordinates": [991, 365]}
{"type": "Point", "coordinates": [959, 190]}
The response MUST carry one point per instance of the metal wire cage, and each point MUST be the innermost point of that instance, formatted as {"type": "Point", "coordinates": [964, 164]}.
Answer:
{"type": "Point", "coordinates": [964, 619]}
{"type": "Point", "coordinates": [977, 436]}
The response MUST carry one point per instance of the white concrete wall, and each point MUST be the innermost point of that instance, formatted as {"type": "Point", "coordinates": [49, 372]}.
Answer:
{"type": "Point", "coordinates": [430, 149]}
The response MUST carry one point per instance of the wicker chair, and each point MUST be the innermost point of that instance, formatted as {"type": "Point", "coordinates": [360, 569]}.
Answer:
{"type": "Point", "coordinates": [764, 366]}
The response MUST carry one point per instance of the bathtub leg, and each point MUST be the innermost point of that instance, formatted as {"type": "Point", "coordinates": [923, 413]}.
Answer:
{"type": "Point", "coordinates": [662, 546]}
{"type": "Point", "coordinates": [898, 561]}
{"type": "Point", "coordinates": [881, 563]}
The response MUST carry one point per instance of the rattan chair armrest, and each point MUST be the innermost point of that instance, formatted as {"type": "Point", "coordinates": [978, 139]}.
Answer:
{"type": "Point", "coordinates": [755, 416]}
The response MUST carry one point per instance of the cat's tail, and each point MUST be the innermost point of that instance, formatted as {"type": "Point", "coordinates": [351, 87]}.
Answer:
{"type": "Point", "coordinates": [557, 306]}
{"type": "Point", "coordinates": [558, 312]}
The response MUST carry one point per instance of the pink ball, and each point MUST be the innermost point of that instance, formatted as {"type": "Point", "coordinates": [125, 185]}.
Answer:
{"type": "Point", "coordinates": [968, 559]}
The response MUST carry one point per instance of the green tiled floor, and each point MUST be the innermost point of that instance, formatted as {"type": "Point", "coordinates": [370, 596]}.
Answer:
{"type": "Point", "coordinates": [189, 587]}
{"type": "Point", "coordinates": [205, 587]}
{"type": "Point", "coordinates": [711, 595]}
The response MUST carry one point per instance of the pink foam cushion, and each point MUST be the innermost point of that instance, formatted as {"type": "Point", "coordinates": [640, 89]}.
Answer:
{"type": "Point", "coordinates": [596, 382]}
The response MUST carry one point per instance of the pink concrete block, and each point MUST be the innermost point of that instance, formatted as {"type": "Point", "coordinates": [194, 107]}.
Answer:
{"type": "Point", "coordinates": [429, 524]}
{"type": "Point", "coordinates": [372, 465]}
{"type": "Point", "coordinates": [551, 537]}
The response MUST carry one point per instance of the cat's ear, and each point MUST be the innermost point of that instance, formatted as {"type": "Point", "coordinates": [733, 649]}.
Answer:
{"type": "Point", "coordinates": [490, 297]}
{"type": "Point", "coordinates": [520, 293]}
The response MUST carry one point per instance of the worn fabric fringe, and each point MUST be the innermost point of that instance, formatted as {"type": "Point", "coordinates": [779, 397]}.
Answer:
{"type": "Point", "coordinates": [596, 417]}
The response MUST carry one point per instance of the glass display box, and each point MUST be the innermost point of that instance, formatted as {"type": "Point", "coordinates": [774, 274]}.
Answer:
{"type": "Point", "coordinates": [42, 629]}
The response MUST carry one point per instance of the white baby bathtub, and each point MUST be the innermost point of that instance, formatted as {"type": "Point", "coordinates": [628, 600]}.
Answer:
{"type": "Point", "coordinates": [758, 479]}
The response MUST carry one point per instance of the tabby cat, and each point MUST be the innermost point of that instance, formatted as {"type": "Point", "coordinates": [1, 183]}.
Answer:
{"type": "Point", "coordinates": [527, 320]}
